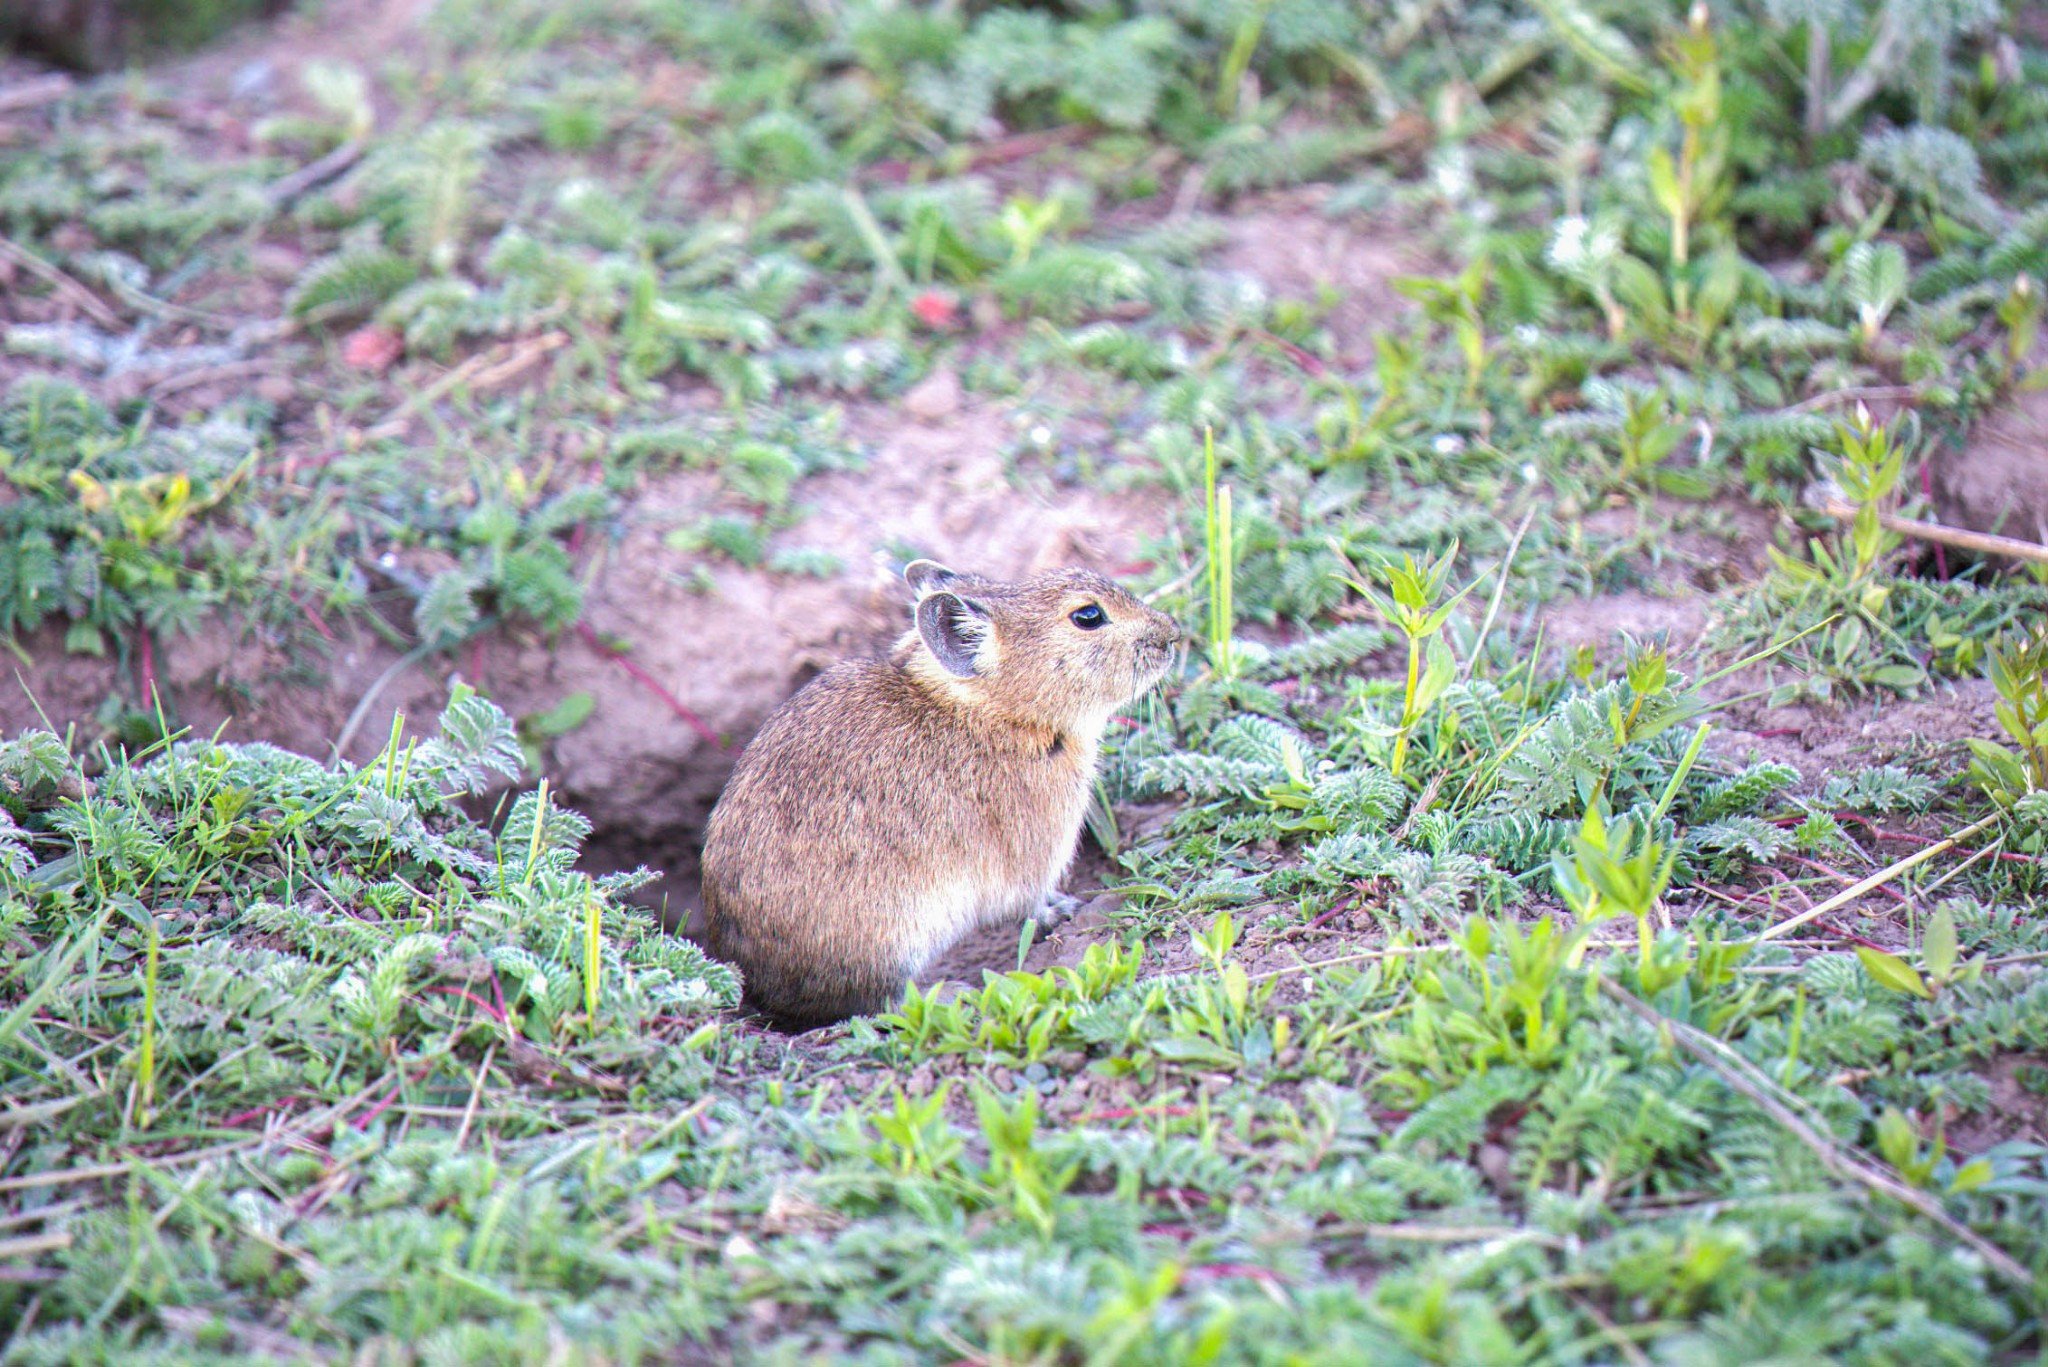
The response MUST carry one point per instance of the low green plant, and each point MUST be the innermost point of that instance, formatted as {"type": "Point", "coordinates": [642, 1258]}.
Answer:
{"type": "Point", "coordinates": [106, 526]}
{"type": "Point", "coordinates": [1846, 587]}
{"type": "Point", "coordinates": [513, 565]}
{"type": "Point", "coordinates": [2017, 666]}
{"type": "Point", "coordinates": [1693, 186]}
{"type": "Point", "coordinates": [1453, 304]}
{"type": "Point", "coordinates": [1414, 601]}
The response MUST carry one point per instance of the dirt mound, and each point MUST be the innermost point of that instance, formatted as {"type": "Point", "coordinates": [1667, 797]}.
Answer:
{"type": "Point", "coordinates": [641, 770]}
{"type": "Point", "coordinates": [1998, 481]}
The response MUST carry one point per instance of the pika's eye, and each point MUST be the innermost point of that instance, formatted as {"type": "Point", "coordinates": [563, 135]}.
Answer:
{"type": "Point", "coordinates": [1088, 618]}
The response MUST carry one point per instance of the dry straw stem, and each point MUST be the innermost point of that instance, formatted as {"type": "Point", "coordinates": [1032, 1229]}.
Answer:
{"type": "Point", "coordinates": [314, 174]}
{"type": "Point", "coordinates": [1984, 543]}
{"type": "Point", "coordinates": [81, 298]}
{"type": "Point", "coordinates": [1743, 1078]}
{"type": "Point", "coordinates": [1420, 1233]}
{"type": "Point", "coordinates": [31, 94]}
{"type": "Point", "coordinates": [482, 370]}
{"type": "Point", "coordinates": [1876, 880]}
{"type": "Point", "coordinates": [33, 1245]}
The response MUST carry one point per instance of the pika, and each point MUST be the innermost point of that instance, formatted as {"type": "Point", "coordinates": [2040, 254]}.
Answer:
{"type": "Point", "coordinates": [897, 802]}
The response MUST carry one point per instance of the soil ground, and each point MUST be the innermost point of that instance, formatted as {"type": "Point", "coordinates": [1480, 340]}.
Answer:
{"type": "Point", "coordinates": [942, 475]}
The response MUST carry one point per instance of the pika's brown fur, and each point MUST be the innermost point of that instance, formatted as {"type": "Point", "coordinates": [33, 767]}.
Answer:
{"type": "Point", "coordinates": [896, 803]}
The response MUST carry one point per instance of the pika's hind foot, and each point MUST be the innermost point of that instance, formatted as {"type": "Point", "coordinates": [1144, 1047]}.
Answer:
{"type": "Point", "coordinates": [1054, 910]}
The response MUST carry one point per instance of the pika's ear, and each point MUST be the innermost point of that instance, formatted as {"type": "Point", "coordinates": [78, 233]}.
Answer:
{"type": "Point", "coordinates": [956, 631]}
{"type": "Point", "coordinates": [927, 576]}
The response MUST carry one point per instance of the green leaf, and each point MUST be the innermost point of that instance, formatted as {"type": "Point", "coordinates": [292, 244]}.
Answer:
{"type": "Point", "coordinates": [1196, 1052]}
{"type": "Point", "coordinates": [1938, 944]}
{"type": "Point", "coordinates": [1896, 1141]}
{"type": "Point", "coordinates": [564, 717]}
{"type": "Point", "coordinates": [1602, 46]}
{"type": "Point", "coordinates": [1664, 183]}
{"type": "Point", "coordinates": [1893, 972]}
{"type": "Point", "coordinates": [1436, 677]}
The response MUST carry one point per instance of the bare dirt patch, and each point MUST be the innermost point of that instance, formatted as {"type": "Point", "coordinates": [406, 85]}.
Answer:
{"type": "Point", "coordinates": [1678, 620]}
{"type": "Point", "coordinates": [1998, 480]}
{"type": "Point", "coordinates": [1818, 741]}
{"type": "Point", "coordinates": [2018, 1111]}
{"type": "Point", "coordinates": [1683, 555]}
{"type": "Point", "coordinates": [1297, 249]}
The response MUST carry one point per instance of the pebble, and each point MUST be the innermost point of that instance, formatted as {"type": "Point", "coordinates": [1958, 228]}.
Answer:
{"type": "Point", "coordinates": [934, 398]}
{"type": "Point", "coordinates": [1496, 1165]}
{"type": "Point", "coordinates": [253, 79]}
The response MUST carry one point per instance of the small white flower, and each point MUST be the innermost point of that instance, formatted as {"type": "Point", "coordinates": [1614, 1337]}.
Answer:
{"type": "Point", "coordinates": [1452, 173]}
{"type": "Point", "coordinates": [1447, 444]}
{"type": "Point", "coordinates": [1040, 436]}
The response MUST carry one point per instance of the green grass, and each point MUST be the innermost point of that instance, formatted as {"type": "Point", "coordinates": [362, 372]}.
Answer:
{"type": "Point", "coordinates": [1469, 1000]}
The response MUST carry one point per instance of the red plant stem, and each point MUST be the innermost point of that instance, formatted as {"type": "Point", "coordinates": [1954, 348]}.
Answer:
{"type": "Point", "coordinates": [363, 1122]}
{"type": "Point", "coordinates": [318, 623]}
{"type": "Point", "coordinates": [1877, 832]}
{"type": "Point", "coordinates": [369, 1116]}
{"type": "Point", "coordinates": [1188, 1195]}
{"type": "Point", "coordinates": [1250, 1271]}
{"type": "Point", "coordinates": [2009, 856]}
{"type": "Point", "coordinates": [495, 1013]}
{"type": "Point", "coordinates": [1130, 1112]}
{"type": "Point", "coordinates": [1343, 904]}
{"type": "Point", "coordinates": [1016, 147]}
{"type": "Point", "coordinates": [1830, 928]}
{"type": "Point", "coordinates": [1819, 867]}
{"type": "Point", "coordinates": [1161, 1230]}
{"type": "Point", "coordinates": [1826, 927]}
{"type": "Point", "coordinates": [1306, 360]}
{"type": "Point", "coordinates": [1789, 885]}
{"type": "Point", "coordinates": [240, 1118]}
{"type": "Point", "coordinates": [145, 649]}
{"type": "Point", "coordinates": [652, 684]}
{"type": "Point", "coordinates": [1927, 491]}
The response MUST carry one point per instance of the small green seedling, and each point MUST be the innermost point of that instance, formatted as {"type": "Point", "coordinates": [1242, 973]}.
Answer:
{"type": "Point", "coordinates": [1930, 1169]}
{"type": "Point", "coordinates": [2018, 670]}
{"type": "Point", "coordinates": [1414, 601]}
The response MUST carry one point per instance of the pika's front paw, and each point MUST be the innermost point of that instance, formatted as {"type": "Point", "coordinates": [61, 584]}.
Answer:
{"type": "Point", "coordinates": [1056, 908]}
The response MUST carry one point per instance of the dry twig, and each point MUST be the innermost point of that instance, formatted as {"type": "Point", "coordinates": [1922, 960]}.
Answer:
{"type": "Point", "coordinates": [1876, 880]}
{"type": "Point", "coordinates": [1984, 543]}
{"type": "Point", "coordinates": [1744, 1078]}
{"type": "Point", "coordinates": [67, 287]}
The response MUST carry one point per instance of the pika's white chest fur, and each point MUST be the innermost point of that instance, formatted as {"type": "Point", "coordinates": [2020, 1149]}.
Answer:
{"type": "Point", "coordinates": [1004, 876]}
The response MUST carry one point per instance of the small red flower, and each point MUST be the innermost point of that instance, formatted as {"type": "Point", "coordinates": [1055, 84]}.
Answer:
{"type": "Point", "coordinates": [372, 348]}
{"type": "Point", "coordinates": [936, 309]}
